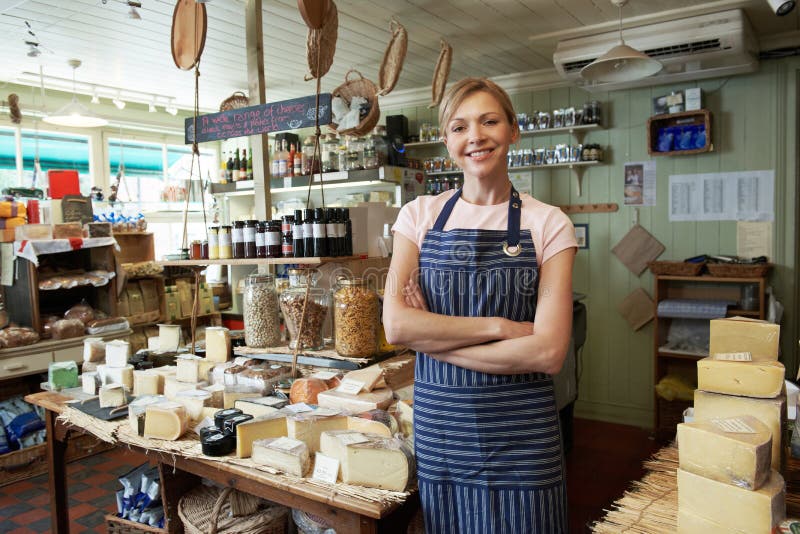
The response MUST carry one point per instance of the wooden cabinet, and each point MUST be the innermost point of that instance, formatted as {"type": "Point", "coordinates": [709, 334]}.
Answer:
{"type": "Point", "coordinates": [679, 134]}
{"type": "Point", "coordinates": [26, 303]}
{"type": "Point", "coordinates": [741, 293]}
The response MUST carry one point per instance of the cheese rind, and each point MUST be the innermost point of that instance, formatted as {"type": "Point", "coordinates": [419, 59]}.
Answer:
{"type": "Point", "coordinates": [378, 462]}
{"type": "Point", "coordinates": [738, 458]}
{"type": "Point", "coordinates": [750, 379]}
{"type": "Point", "coordinates": [754, 512]}
{"type": "Point", "coordinates": [740, 334]}
{"type": "Point", "coordinates": [165, 420]}
{"type": "Point", "coordinates": [268, 426]}
{"type": "Point", "coordinates": [771, 412]}
{"type": "Point", "coordinates": [376, 399]}
{"type": "Point", "coordinates": [285, 454]}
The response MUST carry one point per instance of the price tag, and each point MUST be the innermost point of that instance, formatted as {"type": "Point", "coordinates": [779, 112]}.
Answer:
{"type": "Point", "coordinates": [733, 425]}
{"type": "Point", "coordinates": [734, 356]}
{"type": "Point", "coordinates": [353, 438]}
{"type": "Point", "coordinates": [324, 375]}
{"type": "Point", "coordinates": [326, 469]}
{"type": "Point", "coordinates": [286, 444]}
{"type": "Point", "coordinates": [300, 407]}
{"type": "Point", "coordinates": [350, 386]}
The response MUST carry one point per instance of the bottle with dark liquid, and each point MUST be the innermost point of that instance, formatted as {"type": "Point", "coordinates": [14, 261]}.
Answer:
{"type": "Point", "coordinates": [320, 234]}
{"type": "Point", "coordinates": [331, 231]}
{"type": "Point", "coordinates": [308, 233]}
{"type": "Point", "coordinates": [297, 234]}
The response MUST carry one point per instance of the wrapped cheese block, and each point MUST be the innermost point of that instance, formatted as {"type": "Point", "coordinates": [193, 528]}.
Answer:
{"type": "Point", "coordinates": [735, 450]}
{"type": "Point", "coordinates": [307, 390]}
{"type": "Point", "coordinates": [308, 426]}
{"type": "Point", "coordinates": [370, 460]}
{"type": "Point", "coordinates": [173, 386]}
{"type": "Point", "coordinates": [284, 454]}
{"type": "Point", "coordinates": [374, 422]}
{"type": "Point", "coordinates": [268, 426]}
{"type": "Point", "coordinates": [94, 349]}
{"type": "Point", "coordinates": [194, 400]}
{"type": "Point", "coordinates": [147, 382]}
{"type": "Point", "coordinates": [217, 395]}
{"type": "Point", "coordinates": [218, 344]}
{"type": "Point", "coordinates": [253, 407]}
{"type": "Point", "coordinates": [363, 402]}
{"type": "Point", "coordinates": [188, 368]}
{"type": "Point", "coordinates": [62, 375]}
{"type": "Point", "coordinates": [727, 508]}
{"type": "Point", "coordinates": [746, 378]}
{"type": "Point", "coordinates": [165, 420]}
{"type": "Point", "coordinates": [117, 353]}
{"type": "Point", "coordinates": [371, 377]}
{"type": "Point", "coordinates": [89, 383]}
{"type": "Point", "coordinates": [136, 411]}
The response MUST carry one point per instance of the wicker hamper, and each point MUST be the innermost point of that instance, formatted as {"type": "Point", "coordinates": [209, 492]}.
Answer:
{"type": "Point", "coordinates": [676, 268]}
{"type": "Point", "coordinates": [364, 88]}
{"type": "Point", "coordinates": [207, 510]}
{"type": "Point", "coordinates": [117, 525]}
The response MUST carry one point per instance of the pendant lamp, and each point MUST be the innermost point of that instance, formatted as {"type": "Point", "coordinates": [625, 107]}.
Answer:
{"type": "Point", "coordinates": [75, 114]}
{"type": "Point", "coordinates": [622, 63]}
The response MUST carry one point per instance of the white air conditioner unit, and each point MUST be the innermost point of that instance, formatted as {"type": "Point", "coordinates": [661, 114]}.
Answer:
{"type": "Point", "coordinates": [705, 46]}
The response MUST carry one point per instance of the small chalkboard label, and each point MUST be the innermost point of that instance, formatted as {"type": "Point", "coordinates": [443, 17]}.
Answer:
{"type": "Point", "coordinates": [266, 118]}
{"type": "Point", "coordinates": [76, 208]}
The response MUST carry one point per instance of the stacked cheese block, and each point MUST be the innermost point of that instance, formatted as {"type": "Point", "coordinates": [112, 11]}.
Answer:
{"type": "Point", "coordinates": [115, 376]}
{"type": "Point", "coordinates": [731, 455]}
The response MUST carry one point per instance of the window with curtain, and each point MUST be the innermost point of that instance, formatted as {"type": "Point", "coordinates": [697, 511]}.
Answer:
{"type": "Point", "coordinates": [56, 152]}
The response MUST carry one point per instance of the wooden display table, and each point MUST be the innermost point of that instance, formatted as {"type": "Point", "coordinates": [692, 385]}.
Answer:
{"type": "Point", "coordinates": [180, 473]}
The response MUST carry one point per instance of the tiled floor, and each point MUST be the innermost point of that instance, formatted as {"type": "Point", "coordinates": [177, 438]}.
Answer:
{"type": "Point", "coordinates": [604, 459]}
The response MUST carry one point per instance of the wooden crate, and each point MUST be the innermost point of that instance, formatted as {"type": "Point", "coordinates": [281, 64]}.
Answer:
{"type": "Point", "coordinates": [135, 247]}
{"type": "Point", "coordinates": [684, 118]}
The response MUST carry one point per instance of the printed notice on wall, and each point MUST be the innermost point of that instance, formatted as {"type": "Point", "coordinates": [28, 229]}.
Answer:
{"type": "Point", "coordinates": [640, 183]}
{"type": "Point", "coordinates": [724, 196]}
{"type": "Point", "coordinates": [753, 239]}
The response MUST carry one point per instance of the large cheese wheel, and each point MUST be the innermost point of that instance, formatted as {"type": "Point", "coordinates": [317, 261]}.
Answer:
{"type": "Point", "coordinates": [306, 390]}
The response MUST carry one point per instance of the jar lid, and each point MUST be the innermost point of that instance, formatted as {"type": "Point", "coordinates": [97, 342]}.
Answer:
{"type": "Point", "coordinates": [260, 277]}
{"type": "Point", "coordinates": [351, 281]}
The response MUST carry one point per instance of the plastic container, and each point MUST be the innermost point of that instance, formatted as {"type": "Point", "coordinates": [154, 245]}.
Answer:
{"type": "Point", "coordinates": [355, 318]}
{"type": "Point", "coordinates": [261, 320]}
{"type": "Point", "coordinates": [293, 302]}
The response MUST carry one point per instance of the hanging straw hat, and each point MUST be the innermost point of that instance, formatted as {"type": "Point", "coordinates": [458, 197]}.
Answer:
{"type": "Point", "coordinates": [393, 58]}
{"type": "Point", "coordinates": [321, 44]}
{"type": "Point", "coordinates": [441, 73]}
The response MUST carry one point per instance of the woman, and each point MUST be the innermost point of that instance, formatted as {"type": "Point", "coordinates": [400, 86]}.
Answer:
{"type": "Point", "coordinates": [480, 285]}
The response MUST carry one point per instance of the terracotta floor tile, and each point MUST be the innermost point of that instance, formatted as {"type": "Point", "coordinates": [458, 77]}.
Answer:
{"type": "Point", "coordinates": [31, 516]}
{"type": "Point", "coordinates": [89, 495]}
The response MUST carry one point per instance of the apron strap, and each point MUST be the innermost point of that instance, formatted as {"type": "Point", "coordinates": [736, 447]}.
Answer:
{"type": "Point", "coordinates": [446, 211]}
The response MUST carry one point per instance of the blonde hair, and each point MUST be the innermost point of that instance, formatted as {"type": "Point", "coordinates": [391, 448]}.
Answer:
{"type": "Point", "coordinates": [460, 90]}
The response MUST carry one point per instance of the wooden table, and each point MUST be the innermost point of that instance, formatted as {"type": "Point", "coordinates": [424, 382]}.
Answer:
{"type": "Point", "coordinates": [179, 474]}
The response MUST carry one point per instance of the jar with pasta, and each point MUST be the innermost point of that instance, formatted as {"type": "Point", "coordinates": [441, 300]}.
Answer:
{"type": "Point", "coordinates": [304, 308]}
{"type": "Point", "coordinates": [355, 318]}
{"type": "Point", "coordinates": [261, 318]}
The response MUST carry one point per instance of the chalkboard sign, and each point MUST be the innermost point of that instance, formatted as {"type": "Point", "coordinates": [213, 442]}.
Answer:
{"type": "Point", "coordinates": [76, 208]}
{"type": "Point", "coordinates": [254, 120]}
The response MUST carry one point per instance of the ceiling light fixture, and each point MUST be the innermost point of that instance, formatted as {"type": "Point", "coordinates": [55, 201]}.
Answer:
{"type": "Point", "coordinates": [75, 114]}
{"type": "Point", "coordinates": [781, 7]}
{"type": "Point", "coordinates": [33, 49]}
{"type": "Point", "coordinates": [118, 101]}
{"type": "Point", "coordinates": [152, 106]}
{"type": "Point", "coordinates": [171, 109]}
{"type": "Point", "coordinates": [622, 63]}
{"type": "Point", "coordinates": [133, 14]}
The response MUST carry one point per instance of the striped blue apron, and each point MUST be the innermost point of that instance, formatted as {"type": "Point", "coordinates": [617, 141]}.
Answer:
{"type": "Point", "coordinates": [488, 447]}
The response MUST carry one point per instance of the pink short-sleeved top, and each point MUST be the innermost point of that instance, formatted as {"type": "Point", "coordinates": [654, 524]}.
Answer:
{"type": "Point", "coordinates": [550, 227]}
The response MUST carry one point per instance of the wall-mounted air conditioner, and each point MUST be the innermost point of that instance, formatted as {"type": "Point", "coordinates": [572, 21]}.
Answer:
{"type": "Point", "coordinates": [705, 46]}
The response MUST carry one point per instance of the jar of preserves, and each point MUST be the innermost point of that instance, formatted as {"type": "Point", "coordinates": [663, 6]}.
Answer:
{"type": "Point", "coordinates": [355, 318]}
{"type": "Point", "coordinates": [273, 239]}
{"type": "Point", "coordinates": [249, 238]}
{"type": "Point", "coordinates": [213, 243]}
{"type": "Point", "coordinates": [261, 239]}
{"type": "Point", "coordinates": [225, 243]}
{"type": "Point", "coordinates": [196, 250]}
{"type": "Point", "coordinates": [237, 238]}
{"type": "Point", "coordinates": [261, 318]}
{"type": "Point", "coordinates": [305, 331]}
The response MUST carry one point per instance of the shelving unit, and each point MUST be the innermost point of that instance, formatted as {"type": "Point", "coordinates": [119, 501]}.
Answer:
{"type": "Point", "coordinates": [578, 131]}
{"type": "Point", "coordinates": [667, 414]}
{"type": "Point", "coordinates": [257, 261]}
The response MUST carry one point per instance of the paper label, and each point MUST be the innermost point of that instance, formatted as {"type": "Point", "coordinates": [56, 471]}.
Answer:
{"type": "Point", "coordinates": [286, 444]}
{"type": "Point", "coordinates": [300, 407]}
{"type": "Point", "coordinates": [326, 469]}
{"type": "Point", "coordinates": [324, 375]}
{"type": "Point", "coordinates": [734, 356]}
{"type": "Point", "coordinates": [350, 386]}
{"type": "Point", "coordinates": [287, 183]}
{"type": "Point", "coordinates": [352, 439]}
{"type": "Point", "coordinates": [735, 425]}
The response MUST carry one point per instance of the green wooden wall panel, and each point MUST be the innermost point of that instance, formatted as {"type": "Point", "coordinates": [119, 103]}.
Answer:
{"type": "Point", "coordinates": [754, 123]}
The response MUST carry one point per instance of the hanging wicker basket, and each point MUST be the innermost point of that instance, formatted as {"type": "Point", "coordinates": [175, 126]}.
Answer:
{"type": "Point", "coordinates": [321, 45]}
{"type": "Point", "coordinates": [207, 510]}
{"type": "Point", "coordinates": [235, 101]}
{"type": "Point", "coordinates": [364, 88]}
{"type": "Point", "coordinates": [441, 73]}
{"type": "Point", "coordinates": [393, 58]}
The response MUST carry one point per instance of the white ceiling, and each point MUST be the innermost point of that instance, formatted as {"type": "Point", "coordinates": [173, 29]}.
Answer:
{"type": "Point", "coordinates": [489, 38]}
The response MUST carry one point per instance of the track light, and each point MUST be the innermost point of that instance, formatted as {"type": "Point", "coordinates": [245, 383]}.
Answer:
{"type": "Point", "coordinates": [781, 7]}
{"type": "Point", "coordinates": [171, 109]}
{"type": "Point", "coordinates": [119, 102]}
{"type": "Point", "coordinates": [95, 97]}
{"type": "Point", "coordinates": [152, 107]}
{"type": "Point", "coordinates": [33, 49]}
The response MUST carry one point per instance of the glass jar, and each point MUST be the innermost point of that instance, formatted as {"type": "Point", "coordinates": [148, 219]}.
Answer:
{"type": "Point", "coordinates": [293, 301]}
{"type": "Point", "coordinates": [237, 238]}
{"type": "Point", "coordinates": [213, 243]}
{"type": "Point", "coordinates": [330, 154]}
{"type": "Point", "coordinates": [355, 153]}
{"type": "Point", "coordinates": [249, 238]}
{"type": "Point", "coordinates": [196, 250]}
{"type": "Point", "coordinates": [261, 239]}
{"type": "Point", "coordinates": [308, 156]}
{"type": "Point", "coordinates": [261, 319]}
{"type": "Point", "coordinates": [274, 239]}
{"type": "Point", "coordinates": [225, 243]}
{"type": "Point", "coordinates": [355, 318]}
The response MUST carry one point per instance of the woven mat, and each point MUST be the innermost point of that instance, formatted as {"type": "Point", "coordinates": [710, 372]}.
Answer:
{"type": "Point", "coordinates": [651, 505]}
{"type": "Point", "coordinates": [120, 432]}
{"type": "Point", "coordinates": [284, 349]}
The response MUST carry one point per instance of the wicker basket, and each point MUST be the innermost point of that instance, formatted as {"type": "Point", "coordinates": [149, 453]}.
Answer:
{"type": "Point", "coordinates": [364, 88]}
{"type": "Point", "coordinates": [235, 101]}
{"type": "Point", "coordinates": [393, 58]}
{"type": "Point", "coordinates": [739, 270]}
{"type": "Point", "coordinates": [117, 525]}
{"type": "Point", "coordinates": [676, 268]}
{"type": "Point", "coordinates": [440, 74]}
{"type": "Point", "coordinates": [22, 464]}
{"type": "Point", "coordinates": [321, 45]}
{"type": "Point", "coordinates": [207, 510]}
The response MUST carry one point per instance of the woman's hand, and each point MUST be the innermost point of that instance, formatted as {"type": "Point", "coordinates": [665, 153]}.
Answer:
{"type": "Point", "coordinates": [412, 294]}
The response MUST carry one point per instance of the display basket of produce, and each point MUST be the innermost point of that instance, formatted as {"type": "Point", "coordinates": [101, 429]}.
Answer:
{"type": "Point", "coordinates": [117, 525]}
{"type": "Point", "coordinates": [739, 270]}
{"type": "Point", "coordinates": [364, 88]}
{"type": "Point", "coordinates": [676, 268]}
{"type": "Point", "coordinates": [211, 510]}
{"type": "Point", "coordinates": [235, 101]}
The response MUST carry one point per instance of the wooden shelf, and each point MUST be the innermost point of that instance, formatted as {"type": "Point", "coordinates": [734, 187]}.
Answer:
{"type": "Point", "coordinates": [708, 278]}
{"type": "Point", "coordinates": [258, 261]}
{"type": "Point", "coordinates": [700, 117]}
{"type": "Point", "coordinates": [577, 130]}
{"type": "Point", "coordinates": [682, 355]}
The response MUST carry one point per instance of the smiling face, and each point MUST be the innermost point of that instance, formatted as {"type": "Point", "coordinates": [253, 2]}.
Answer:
{"type": "Point", "coordinates": [478, 134]}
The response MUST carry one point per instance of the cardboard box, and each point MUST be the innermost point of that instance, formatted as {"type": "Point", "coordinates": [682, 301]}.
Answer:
{"type": "Point", "coordinates": [123, 309]}
{"type": "Point", "coordinates": [135, 300]}
{"type": "Point", "coordinates": [740, 334]}
{"type": "Point", "coordinates": [172, 305]}
{"type": "Point", "coordinates": [149, 295]}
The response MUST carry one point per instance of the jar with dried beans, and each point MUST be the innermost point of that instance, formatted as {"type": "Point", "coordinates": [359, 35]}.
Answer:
{"type": "Point", "coordinates": [261, 318]}
{"type": "Point", "coordinates": [293, 302]}
{"type": "Point", "coordinates": [355, 318]}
